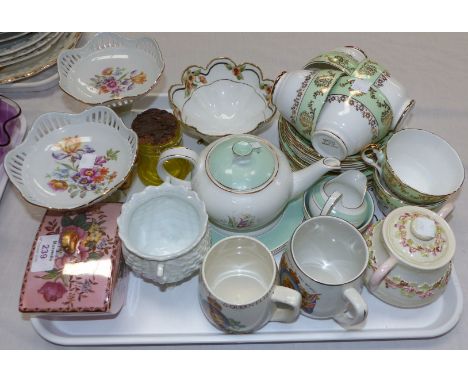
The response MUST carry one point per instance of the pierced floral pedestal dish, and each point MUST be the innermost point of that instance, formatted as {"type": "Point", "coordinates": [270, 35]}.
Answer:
{"type": "Point", "coordinates": [71, 161]}
{"type": "Point", "coordinates": [110, 70]}
{"type": "Point", "coordinates": [153, 316]}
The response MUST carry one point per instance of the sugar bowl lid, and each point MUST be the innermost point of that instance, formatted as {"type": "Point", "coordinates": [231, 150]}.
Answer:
{"type": "Point", "coordinates": [242, 163]}
{"type": "Point", "coordinates": [419, 237]}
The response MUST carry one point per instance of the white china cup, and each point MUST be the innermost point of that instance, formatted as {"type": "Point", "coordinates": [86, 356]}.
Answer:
{"type": "Point", "coordinates": [418, 166]}
{"type": "Point", "coordinates": [394, 91]}
{"type": "Point", "coordinates": [238, 288]}
{"type": "Point", "coordinates": [325, 261]}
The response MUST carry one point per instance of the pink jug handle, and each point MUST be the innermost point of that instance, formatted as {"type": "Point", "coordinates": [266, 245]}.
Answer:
{"type": "Point", "coordinates": [381, 272]}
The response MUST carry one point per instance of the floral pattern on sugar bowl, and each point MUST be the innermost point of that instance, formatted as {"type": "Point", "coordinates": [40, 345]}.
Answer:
{"type": "Point", "coordinates": [69, 176]}
{"type": "Point", "coordinates": [429, 249]}
{"type": "Point", "coordinates": [117, 80]}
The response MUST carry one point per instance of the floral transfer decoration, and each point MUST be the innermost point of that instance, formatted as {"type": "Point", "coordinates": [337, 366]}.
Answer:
{"type": "Point", "coordinates": [83, 238]}
{"type": "Point", "coordinates": [68, 176]}
{"type": "Point", "coordinates": [432, 248]}
{"type": "Point", "coordinates": [116, 81]}
{"type": "Point", "coordinates": [243, 221]}
{"type": "Point", "coordinates": [289, 279]}
{"type": "Point", "coordinates": [214, 309]}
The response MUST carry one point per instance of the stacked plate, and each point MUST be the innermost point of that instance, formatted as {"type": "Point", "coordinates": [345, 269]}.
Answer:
{"type": "Point", "coordinates": [300, 152]}
{"type": "Point", "coordinates": [25, 54]}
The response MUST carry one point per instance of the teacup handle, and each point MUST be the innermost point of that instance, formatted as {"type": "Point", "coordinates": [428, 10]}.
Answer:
{"type": "Point", "coordinates": [381, 272]}
{"type": "Point", "coordinates": [289, 301]}
{"type": "Point", "coordinates": [357, 311]}
{"type": "Point", "coordinates": [330, 203]}
{"type": "Point", "coordinates": [375, 150]}
{"type": "Point", "coordinates": [176, 152]}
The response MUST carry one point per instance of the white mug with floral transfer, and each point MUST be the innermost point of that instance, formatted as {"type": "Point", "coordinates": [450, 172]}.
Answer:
{"type": "Point", "coordinates": [238, 288]}
{"type": "Point", "coordinates": [325, 262]}
{"type": "Point", "coordinates": [410, 256]}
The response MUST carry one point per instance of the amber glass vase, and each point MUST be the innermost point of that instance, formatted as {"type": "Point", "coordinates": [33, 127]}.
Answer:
{"type": "Point", "coordinates": [147, 160]}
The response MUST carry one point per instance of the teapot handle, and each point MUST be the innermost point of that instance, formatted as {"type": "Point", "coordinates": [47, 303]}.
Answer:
{"type": "Point", "coordinates": [177, 152]}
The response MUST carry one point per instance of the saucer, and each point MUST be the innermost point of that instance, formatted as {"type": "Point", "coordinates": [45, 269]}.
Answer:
{"type": "Point", "coordinates": [278, 237]}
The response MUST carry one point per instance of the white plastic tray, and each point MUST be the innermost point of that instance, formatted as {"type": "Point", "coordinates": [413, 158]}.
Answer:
{"type": "Point", "coordinates": [173, 316]}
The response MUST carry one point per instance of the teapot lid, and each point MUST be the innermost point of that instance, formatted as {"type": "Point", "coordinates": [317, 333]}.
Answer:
{"type": "Point", "coordinates": [242, 163]}
{"type": "Point", "coordinates": [419, 237]}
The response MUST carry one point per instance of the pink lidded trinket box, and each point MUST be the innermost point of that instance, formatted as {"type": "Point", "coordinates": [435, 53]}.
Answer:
{"type": "Point", "coordinates": [75, 264]}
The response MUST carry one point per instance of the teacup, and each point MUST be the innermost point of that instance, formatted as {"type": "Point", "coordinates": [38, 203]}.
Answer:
{"type": "Point", "coordinates": [396, 94]}
{"type": "Point", "coordinates": [325, 261]}
{"type": "Point", "coordinates": [300, 95]}
{"type": "Point", "coordinates": [418, 166]}
{"type": "Point", "coordinates": [238, 288]}
{"type": "Point", "coordinates": [350, 119]}
{"type": "Point", "coordinates": [387, 201]}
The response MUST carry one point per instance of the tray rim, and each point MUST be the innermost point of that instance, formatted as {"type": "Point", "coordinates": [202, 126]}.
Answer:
{"type": "Point", "coordinates": [258, 337]}
{"type": "Point", "coordinates": [40, 323]}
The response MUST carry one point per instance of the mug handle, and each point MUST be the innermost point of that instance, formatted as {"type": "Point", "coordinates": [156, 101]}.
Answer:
{"type": "Point", "coordinates": [381, 272]}
{"type": "Point", "coordinates": [176, 152]}
{"type": "Point", "coordinates": [357, 311]}
{"type": "Point", "coordinates": [377, 152]}
{"type": "Point", "coordinates": [330, 203]}
{"type": "Point", "coordinates": [285, 297]}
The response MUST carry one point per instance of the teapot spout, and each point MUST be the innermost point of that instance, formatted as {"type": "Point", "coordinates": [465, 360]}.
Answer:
{"type": "Point", "coordinates": [306, 177]}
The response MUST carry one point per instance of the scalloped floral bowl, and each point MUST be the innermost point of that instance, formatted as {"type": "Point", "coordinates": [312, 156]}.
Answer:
{"type": "Point", "coordinates": [110, 70]}
{"type": "Point", "coordinates": [70, 161]}
{"type": "Point", "coordinates": [222, 99]}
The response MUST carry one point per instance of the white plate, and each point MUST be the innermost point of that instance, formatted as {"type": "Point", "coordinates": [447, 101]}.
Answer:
{"type": "Point", "coordinates": [39, 63]}
{"type": "Point", "coordinates": [8, 36]}
{"type": "Point", "coordinates": [173, 316]}
{"type": "Point", "coordinates": [70, 161]}
{"type": "Point", "coordinates": [30, 51]}
{"type": "Point", "coordinates": [42, 81]}
{"type": "Point", "coordinates": [110, 70]}
{"type": "Point", "coordinates": [22, 43]}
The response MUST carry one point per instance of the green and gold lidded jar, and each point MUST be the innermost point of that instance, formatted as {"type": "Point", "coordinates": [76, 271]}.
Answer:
{"type": "Point", "coordinates": [157, 131]}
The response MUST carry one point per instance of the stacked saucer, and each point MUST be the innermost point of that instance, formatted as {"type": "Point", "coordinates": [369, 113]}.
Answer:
{"type": "Point", "coordinates": [26, 54]}
{"type": "Point", "coordinates": [300, 152]}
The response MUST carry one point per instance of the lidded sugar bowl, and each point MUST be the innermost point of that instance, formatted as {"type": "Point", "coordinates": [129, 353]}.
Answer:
{"type": "Point", "coordinates": [244, 180]}
{"type": "Point", "coordinates": [410, 256]}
